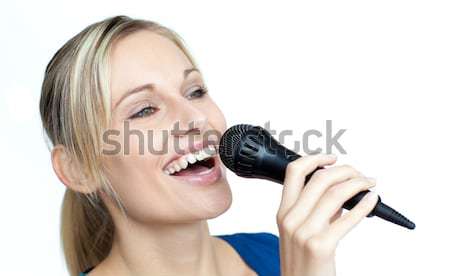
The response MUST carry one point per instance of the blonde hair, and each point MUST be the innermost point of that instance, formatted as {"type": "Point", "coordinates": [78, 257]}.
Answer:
{"type": "Point", "coordinates": [75, 111]}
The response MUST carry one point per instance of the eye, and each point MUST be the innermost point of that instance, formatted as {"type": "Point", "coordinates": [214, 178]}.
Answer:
{"type": "Point", "coordinates": [198, 93]}
{"type": "Point", "coordinates": [146, 111]}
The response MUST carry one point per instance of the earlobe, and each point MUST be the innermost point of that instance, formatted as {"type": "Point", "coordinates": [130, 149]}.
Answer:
{"type": "Point", "coordinates": [67, 171]}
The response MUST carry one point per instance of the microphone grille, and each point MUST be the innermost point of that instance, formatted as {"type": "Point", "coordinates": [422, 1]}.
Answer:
{"type": "Point", "coordinates": [229, 142]}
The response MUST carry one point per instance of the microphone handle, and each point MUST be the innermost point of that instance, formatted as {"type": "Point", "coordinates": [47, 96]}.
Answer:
{"type": "Point", "coordinates": [349, 204]}
{"type": "Point", "coordinates": [380, 210]}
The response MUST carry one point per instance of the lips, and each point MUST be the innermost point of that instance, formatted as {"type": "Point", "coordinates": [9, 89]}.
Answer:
{"type": "Point", "coordinates": [197, 165]}
{"type": "Point", "coordinates": [197, 151]}
{"type": "Point", "coordinates": [200, 175]}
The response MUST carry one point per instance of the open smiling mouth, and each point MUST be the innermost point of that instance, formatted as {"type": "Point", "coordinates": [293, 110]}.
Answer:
{"type": "Point", "coordinates": [193, 164]}
{"type": "Point", "coordinates": [197, 168]}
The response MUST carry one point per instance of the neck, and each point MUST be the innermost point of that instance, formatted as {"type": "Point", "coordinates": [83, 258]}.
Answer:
{"type": "Point", "coordinates": [172, 249]}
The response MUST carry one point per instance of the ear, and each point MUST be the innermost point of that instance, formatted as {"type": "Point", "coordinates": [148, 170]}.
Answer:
{"type": "Point", "coordinates": [68, 172]}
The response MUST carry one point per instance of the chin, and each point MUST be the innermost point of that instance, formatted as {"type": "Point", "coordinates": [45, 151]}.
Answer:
{"type": "Point", "coordinates": [213, 203]}
{"type": "Point", "coordinates": [221, 204]}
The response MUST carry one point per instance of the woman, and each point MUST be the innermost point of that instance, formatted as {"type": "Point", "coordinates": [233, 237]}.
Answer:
{"type": "Point", "coordinates": [132, 212]}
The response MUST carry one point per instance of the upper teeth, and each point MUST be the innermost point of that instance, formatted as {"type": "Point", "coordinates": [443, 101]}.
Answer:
{"type": "Point", "coordinates": [182, 162]}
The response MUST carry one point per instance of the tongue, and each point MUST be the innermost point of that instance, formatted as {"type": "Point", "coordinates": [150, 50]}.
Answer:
{"type": "Point", "coordinates": [191, 170]}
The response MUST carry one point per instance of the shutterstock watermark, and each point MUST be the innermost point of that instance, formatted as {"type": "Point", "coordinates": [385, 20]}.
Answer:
{"type": "Point", "coordinates": [157, 142]}
{"type": "Point", "coordinates": [331, 140]}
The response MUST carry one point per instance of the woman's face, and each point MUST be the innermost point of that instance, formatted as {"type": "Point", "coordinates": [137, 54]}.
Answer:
{"type": "Point", "coordinates": [156, 128]}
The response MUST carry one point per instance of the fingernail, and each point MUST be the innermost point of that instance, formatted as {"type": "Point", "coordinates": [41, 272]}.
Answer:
{"type": "Point", "coordinates": [332, 155]}
{"type": "Point", "coordinates": [371, 180]}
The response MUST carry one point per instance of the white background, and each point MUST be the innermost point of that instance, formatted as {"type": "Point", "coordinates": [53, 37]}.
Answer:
{"type": "Point", "coordinates": [379, 69]}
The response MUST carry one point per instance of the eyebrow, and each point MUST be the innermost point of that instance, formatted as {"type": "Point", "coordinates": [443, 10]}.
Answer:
{"type": "Point", "coordinates": [150, 86]}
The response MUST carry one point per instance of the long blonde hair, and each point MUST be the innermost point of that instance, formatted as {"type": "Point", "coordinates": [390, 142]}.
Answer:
{"type": "Point", "coordinates": [75, 111]}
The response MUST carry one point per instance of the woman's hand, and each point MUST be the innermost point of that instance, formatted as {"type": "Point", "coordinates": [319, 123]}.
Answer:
{"type": "Point", "coordinates": [310, 220]}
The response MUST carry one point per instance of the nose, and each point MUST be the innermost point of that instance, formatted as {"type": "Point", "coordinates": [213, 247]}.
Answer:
{"type": "Point", "coordinates": [191, 121]}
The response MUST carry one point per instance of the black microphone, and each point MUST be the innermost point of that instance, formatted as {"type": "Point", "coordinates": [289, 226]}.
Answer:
{"type": "Point", "coordinates": [251, 152]}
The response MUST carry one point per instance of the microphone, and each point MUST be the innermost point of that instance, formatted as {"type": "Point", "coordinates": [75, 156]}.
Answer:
{"type": "Point", "coordinates": [251, 152]}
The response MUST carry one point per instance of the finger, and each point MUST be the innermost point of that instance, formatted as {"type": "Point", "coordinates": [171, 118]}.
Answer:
{"type": "Point", "coordinates": [319, 183]}
{"type": "Point", "coordinates": [348, 221]}
{"type": "Point", "coordinates": [336, 196]}
{"type": "Point", "coordinates": [337, 215]}
{"type": "Point", "coordinates": [296, 172]}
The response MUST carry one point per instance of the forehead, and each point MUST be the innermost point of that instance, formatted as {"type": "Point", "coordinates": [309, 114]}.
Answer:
{"type": "Point", "coordinates": [143, 57]}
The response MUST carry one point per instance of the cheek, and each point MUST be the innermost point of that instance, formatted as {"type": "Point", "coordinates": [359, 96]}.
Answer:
{"type": "Point", "coordinates": [216, 117]}
{"type": "Point", "coordinates": [134, 172]}
{"type": "Point", "coordinates": [136, 139]}
{"type": "Point", "coordinates": [139, 184]}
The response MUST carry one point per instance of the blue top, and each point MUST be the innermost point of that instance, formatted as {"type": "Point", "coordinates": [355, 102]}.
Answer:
{"type": "Point", "coordinates": [258, 250]}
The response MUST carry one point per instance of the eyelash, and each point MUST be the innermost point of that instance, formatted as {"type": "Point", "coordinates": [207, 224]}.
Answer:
{"type": "Point", "coordinates": [137, 114]}
{"type": "Point", "coordinates": [202, 90]}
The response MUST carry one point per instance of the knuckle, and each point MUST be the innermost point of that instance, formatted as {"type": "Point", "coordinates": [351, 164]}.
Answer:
{"type": "Point", "coordinates": [370, 182]}
{"type": "Point", "coordinates": [320, 174]}
{"type": "Point", "coordinates": [343, 190]}
{"type": "Point", "coordinates": [351, 169]}
{"type": "Point", "coordinates": [279, 218]}
{"type": "Point", "coordinates": [293, 166]}
{"type": "Point", "coordinates": [288, 226]}
{"type": "Point", "coordinates": [365, 184]}
{"type": "Point", "coordinates": [319, 157]}
{"type": "Point", "coordinates": [307, 230]}
{"type": "Point", "coordinates": [318, 248]}
{"type": "Point", "coordinates": [302, 163]}
{"type": "Point", "coordinates": [359, 184]}
{"type": "Point", "coordinates": [296, 167]}
{"type": "Point", "coordinates": [298, 163]}
{"type": "Point", "coordinates": [348, 167]}
{"type": "Point", "coordinates": [334, 192]}
{"type": "Point", "coordinates": [300, 238]}
{"type": "Point", "coordinates": [314, 245]}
